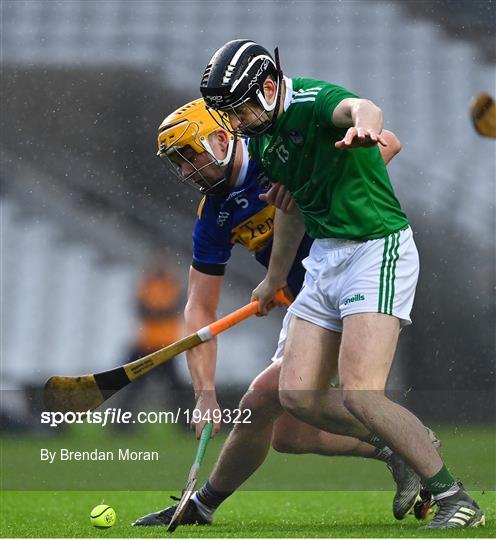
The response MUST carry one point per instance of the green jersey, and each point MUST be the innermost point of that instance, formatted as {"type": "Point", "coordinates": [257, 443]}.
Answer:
{"type": "Point", "coordinates": [340, 193]}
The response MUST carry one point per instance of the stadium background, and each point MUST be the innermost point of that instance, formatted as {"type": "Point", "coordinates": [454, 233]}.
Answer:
{"type": "Point", "coordinates": [85, 202]}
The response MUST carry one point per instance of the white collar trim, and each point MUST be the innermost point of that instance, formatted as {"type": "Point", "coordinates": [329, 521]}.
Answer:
{"type": "Point", "coordinates": [289, 92]}
{"type": "Point", "coordinates": [244, 165]}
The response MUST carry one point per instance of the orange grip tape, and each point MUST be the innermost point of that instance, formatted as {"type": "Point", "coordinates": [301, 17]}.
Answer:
{"type": "Point", "coordinates": [234, 318]}
{"type": "Point", "coordinates": [242, 313]}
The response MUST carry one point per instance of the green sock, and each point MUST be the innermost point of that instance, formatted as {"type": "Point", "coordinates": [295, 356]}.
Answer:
{"type": "Point", "coordinates": [440, 482]}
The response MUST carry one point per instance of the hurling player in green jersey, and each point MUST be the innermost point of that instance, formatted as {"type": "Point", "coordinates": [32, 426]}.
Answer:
{"type": "Point", "coordinates": [321, 142]}
{"type": "Point", "coordinates": [204, 155]}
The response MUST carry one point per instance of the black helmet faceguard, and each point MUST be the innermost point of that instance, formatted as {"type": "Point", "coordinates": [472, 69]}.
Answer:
{"type": "Point", "coordinates": [235, 76]}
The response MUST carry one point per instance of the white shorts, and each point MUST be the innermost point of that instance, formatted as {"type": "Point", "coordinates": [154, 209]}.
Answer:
{"type": "Point", "coordinates": [344, 277]}
{"type": "Point", "coordinates": [283, 334]}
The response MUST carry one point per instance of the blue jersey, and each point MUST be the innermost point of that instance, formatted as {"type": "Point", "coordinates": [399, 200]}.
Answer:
{"type": "Point", "coordinates": [240, 218]}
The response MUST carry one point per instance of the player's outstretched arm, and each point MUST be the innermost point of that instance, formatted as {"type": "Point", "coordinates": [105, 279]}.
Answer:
{"type": "Point", "coordinates": [288, 233]}
{"type": "Point", "coordinates": [201, 310]}
{"type": "Point", "coordinates": [364, 120]}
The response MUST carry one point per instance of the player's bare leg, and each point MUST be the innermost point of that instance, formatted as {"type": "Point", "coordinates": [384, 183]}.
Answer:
{"type": "Point", "coordinates": [305, 386]}
{"type": "Point", "coordinates": [292, 436]}
{"type": "Point", "coordinates": [248, 444]}
{"type": "Point", "coordinates": [305, 393]}
{"type": "Point", "coordinates": [369, 343]}
{"type": "Point", "coordinates": [242, 454]}
{"type": "Point", "coordinates": [367, 351]}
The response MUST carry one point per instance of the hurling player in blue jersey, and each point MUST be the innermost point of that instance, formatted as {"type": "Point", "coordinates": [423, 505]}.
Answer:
{"type": "Point", "coordinates": [235, 210]}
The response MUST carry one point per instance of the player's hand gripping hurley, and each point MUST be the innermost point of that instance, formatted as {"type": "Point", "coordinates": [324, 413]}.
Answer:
{"type": "Point", "coordinates": [192, 477]}
{"type": "Point", "coordinates": [86, 392]}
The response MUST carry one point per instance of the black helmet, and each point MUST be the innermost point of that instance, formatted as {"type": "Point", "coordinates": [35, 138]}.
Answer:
{"type": "Point", "coordinates": [235, 75]}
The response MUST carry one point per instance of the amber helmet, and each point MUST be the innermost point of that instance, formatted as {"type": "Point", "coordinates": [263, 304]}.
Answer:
{"type": "Point", "coordinates": [184, 134]}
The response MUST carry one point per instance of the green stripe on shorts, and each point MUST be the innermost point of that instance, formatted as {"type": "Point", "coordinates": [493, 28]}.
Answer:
{"type": "Point", "coordinates": [393, 277]}
{"type": "Point", "coordinates": [388, 273]}
{"type": "Point", "coordinates": [381, 279]}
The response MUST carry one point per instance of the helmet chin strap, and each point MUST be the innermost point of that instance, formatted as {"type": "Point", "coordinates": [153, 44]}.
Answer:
{"type": "Point", "coordinates": [230, 165]}
{"type": "Point", "coordinates": [279, 86]}
{"type": "Point", "coordinates": [265, 126]}
{"type": "Point", "coordinates": [208, 148]}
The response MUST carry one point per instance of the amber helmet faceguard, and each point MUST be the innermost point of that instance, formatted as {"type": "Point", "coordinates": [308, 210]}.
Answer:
{"type": "Point", "coordinates": [187, 129]}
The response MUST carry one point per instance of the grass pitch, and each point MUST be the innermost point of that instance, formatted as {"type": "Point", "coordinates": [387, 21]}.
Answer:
{"type": "Point", "coordinates": [245, 514]}
{"type": "Point", "coordinates": [41, 500]}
